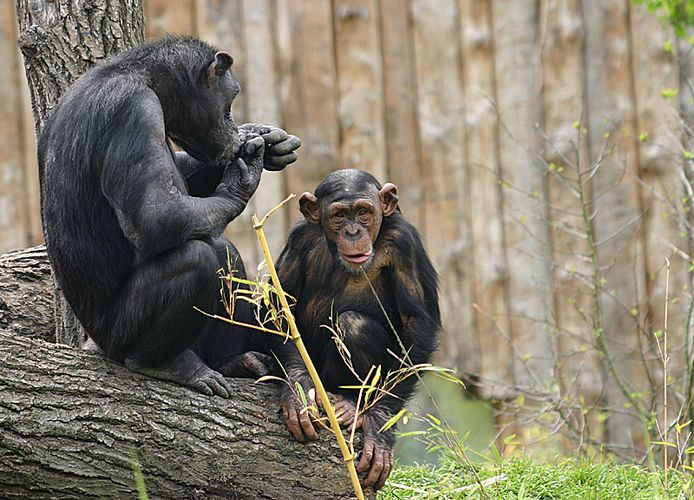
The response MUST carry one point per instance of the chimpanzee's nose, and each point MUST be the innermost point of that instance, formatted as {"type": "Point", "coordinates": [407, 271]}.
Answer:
{"type": "Point", "coordinates": [352, 230]}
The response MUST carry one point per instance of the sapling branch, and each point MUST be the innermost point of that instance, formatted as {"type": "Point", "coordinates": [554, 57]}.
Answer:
{"type": "Point", "coordinates": [347, 454]}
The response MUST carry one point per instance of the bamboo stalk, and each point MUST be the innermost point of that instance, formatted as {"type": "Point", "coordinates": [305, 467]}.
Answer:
{"type": "Point", "coordinates": [296, 337]}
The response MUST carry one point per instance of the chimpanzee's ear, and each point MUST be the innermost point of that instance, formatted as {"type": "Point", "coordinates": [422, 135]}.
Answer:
{"type": "Point", "coordinates": [308, 204]}
{"type": "Point", "coordinates": [222, 62]}
{"type": "Point", "coordinates": [389, 198]}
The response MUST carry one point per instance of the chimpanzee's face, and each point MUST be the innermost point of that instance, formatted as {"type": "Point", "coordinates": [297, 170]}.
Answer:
{"type": "Point", "coordinates": [207, 130]}
{"type": "Point", "coordinates": [352, 223]}
{"type": "Point", "coordinates": [351, 218]}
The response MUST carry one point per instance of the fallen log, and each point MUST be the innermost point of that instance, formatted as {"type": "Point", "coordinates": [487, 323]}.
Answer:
{"type": "Point", "coordinates": [75, 425]}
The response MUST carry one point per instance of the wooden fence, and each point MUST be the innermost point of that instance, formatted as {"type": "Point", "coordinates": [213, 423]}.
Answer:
{"type": "Point", "coordinates": [480, 111]}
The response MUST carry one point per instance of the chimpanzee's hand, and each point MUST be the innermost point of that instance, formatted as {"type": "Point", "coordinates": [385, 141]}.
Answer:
{"type": "Point", "coordinates": [297, 418]}
{"type": "Point", "coordinates": [279, 146]}
{"type": "Point", "coordinates": [242, 176]}
{"type": "Point", "coordinates": [377, 455]}
{"type": "Point", "coordinates": [345, 410]}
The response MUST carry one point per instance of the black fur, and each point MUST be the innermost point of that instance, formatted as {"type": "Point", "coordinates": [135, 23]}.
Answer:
{"type": "Point", "coordinates": [133, 230]}
{"type": "Point", "coordinates": [404, 279]}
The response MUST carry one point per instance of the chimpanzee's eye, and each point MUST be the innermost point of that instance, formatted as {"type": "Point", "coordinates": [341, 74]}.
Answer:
{"type": "Point", "coordinates": [362, 212]}
{"type": "Point", "coordinates": [339, 218]}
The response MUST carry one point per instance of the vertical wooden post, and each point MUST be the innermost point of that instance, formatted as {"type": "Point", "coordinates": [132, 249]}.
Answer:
{"type": "Point", "coordinates": [264, 106]}
{"type": "Point", "coordinates": [442, 134]}
{"type": "Point", "coordinates": [659, 127]}
{"type": "Point", "coordinates": [360, 85]}
{"type": "Point", "coordinates": [526, 224]}
{"type": "Point", "coordinates": [617, 204]}
{"type": "Point", "coordinates": [403, 158]}
{"type": "Point", "coordinates": [487, 226]}
{"type": "Point", "coordinates": [13, 209]}
{"type": "Point", "coordinates": [565, 124]}
{"type": "Point", "coordinates": [309, 89]}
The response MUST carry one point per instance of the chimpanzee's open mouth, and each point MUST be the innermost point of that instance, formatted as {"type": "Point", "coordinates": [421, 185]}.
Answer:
{"type": "Point", "coordinates": [358, 258]}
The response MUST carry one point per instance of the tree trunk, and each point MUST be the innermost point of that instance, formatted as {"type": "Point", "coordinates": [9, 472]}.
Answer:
{"type": "Point", "coordinates": [72, 421]}
{"type": "Point", "coordinates": [60, 40]}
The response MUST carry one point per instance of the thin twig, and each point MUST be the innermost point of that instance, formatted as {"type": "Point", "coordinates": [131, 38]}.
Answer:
{"type": "Point", "coordinates": [296, 337]}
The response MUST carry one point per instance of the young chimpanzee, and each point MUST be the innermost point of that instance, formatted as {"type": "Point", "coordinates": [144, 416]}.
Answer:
{"type": "Point", "coordinates": [353, 231]}
{"type": "Point", "coordinates": [133, 229]}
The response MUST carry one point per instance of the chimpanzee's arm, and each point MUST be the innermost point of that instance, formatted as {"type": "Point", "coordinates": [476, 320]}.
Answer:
{"type": "Point", "coordinates": [291, 269]}
{"type": "Point", "coordinates": [138, 181]}
{"type": "Point", "coordinates": [415, 286]}
{"type": "Point", "coordinates": [201, 178]}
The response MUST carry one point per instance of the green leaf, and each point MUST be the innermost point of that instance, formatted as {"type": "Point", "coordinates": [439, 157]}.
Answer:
{"type": "Point", "coordinates": [243, 281]}
{"type": "Point", "coordinates": [433, 419]}
{"type": "Point", "coordinates": [393, 420]}
{"type": "Point", "coordinates": [268, 378]}
{"type": "Point", "coordinates": [665, 443]}
{"type": "Point", "coordinates": [302, 394]}
{"type": "Point", "coordinates": [412, 433]}
{"type": "Point", "coordinates": [669, 93]}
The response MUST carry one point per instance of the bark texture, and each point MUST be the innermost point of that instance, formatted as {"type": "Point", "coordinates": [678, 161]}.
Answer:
{"type": "Point", "coordinates": [74, 424]}
{"type": "Point", "coordinates": [60, 40]}
{"type": "Point", "coordinates": [72, 421]}
{"type": "Point", "coordinates": [26, 294]}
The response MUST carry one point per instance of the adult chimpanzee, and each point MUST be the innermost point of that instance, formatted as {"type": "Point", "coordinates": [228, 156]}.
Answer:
{"type": "Point", "coordinates": [354, 230]}
{"type": "Point", "coordinates": [133, 229]}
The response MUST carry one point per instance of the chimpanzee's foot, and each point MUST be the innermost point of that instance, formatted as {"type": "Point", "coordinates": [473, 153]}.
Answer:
{"type": "Point", "coordinates": [250, 364]}
{"type": "Point", "coordinates": [187, 369]}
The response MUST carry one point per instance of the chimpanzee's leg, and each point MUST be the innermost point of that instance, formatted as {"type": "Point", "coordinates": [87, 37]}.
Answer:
{"type": "Point", "coordinates": [367, 341]}
{"type": "Point", "coordinates": [153, 323]}
{"type": "Point", "coordinates": [232, 350]}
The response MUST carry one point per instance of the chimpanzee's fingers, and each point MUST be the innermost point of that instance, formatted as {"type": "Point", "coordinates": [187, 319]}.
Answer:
{"type": "Point", "coordinates": [376, 467]}
{"type": "Point", "coordinates": [360, 421]}
{"type": "Point", "coordinates": [254, 147]}
{"type": "Point", "coordinates": [344, 412]}
{"type": "Point", "coordinates": [224, 382]}
{"type": "Point", "coordinates": [201, 386]}
{"type": "Point", "coordinates": [387, 467]}
{"type": "Point", "coordinates": [307, 426]}
{"type": "Point", "coordinates": [291, 417]}
{"type": "Point", "coordinates": [285, 147]}
{"type": "Point", "coordinates": [275, 134]}
{"type": "Point", "coordinates": [244, 174]}
{"type": "Point", "coordinates": [366, 455]}
{"type": "Point", "coordinates": [277, 163]}
{"type": "Point", "coordinates": [254, 365]}
{"type": "Point", "coordinates": [217, 388]}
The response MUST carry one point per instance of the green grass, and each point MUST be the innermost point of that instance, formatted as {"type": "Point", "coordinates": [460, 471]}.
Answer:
{"type": "Point", "coordinates": [565, 479]}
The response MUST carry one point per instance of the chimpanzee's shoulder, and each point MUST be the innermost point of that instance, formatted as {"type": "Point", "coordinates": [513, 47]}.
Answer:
{"type": "Point", "coordinates": [400, 236]}
{"type": "Point", "coordinates": [303, 235]}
